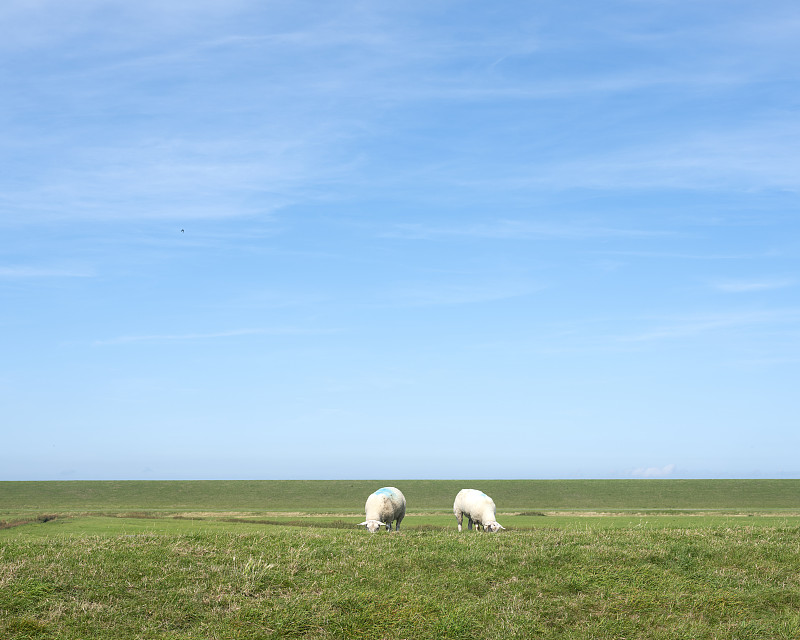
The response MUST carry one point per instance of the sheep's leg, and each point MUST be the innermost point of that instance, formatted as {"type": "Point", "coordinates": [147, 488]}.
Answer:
{"type": "Point", "coordinates": [389, 525]}
{"type": "Point", "coordinates": [397, 524]}
{"type": "Point", "coordinates": [459, 518]}
{"type": "Point", "coordinates": [469, 524]}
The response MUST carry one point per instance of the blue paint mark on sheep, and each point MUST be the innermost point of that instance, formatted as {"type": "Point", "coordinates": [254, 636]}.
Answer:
{"type": "Point", "coordinates": [384, 492]}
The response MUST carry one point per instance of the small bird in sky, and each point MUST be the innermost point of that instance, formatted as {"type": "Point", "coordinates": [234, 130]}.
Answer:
{"type": "Point", "coordinates": [181, 230]}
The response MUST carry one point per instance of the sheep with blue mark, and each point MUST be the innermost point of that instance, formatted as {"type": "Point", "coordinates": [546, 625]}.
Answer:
{"type": "Point", "coordinates": [479, 509]}
{"type": "Point", "coordinates": [383, 507]}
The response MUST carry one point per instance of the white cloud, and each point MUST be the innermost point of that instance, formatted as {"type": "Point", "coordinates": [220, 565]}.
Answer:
{"type": "Point", "coordinates": [654, 472]}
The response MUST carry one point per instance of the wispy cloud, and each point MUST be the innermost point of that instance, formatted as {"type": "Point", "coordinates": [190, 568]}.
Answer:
{"type": "Point", "coordinates": [690, 326]}
{"type": "Point", "coordinates": [762, 156]}
{"type": "Point", "coordinates": [20, 272]}
{"type": "Point", "coordinates": [674, 255]}
{"type": "Point", "coordinates": [749, 286]}
{"type": "Point", "coordinates": [654, 472]}
{"type": "Point", "coordinates": [340, 74]}
{"type": "Point", "coordinates": [216, 335]}
{"type": "Point", "coordinates": [177, 179]}
{"type": "Point", "coordinates": [457, 293]}
{"type": "Point", "coordinates": [516, 229]}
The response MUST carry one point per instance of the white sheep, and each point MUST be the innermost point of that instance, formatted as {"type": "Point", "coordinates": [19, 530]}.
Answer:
{"type": "Point", "coordinates": [479, 508]}
{"type": "Point", "coordinates": [384, 507]}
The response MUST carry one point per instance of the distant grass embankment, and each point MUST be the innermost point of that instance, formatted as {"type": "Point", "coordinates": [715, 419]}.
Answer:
{"type": "Point", "coordinates": [332, 496]}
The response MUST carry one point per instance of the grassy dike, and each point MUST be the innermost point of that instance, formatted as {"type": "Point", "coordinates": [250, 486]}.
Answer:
{"type": "Point", "coordinates": [422, 495]}
{"type": "Point", "coordinates": [160, 573]}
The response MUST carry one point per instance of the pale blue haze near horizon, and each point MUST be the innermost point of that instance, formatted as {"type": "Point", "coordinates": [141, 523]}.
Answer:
{"type": "Point", "coordinates": [348, 239]}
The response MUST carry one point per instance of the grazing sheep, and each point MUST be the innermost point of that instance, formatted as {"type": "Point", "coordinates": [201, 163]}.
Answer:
{"type": "Point", "coordinates": [479, 508]}
{"type": "Point", "coordinates": [384, 507]}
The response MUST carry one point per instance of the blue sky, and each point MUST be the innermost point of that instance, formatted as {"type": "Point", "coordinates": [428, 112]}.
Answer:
{"type": "Point", "coordinates": [428, 240]}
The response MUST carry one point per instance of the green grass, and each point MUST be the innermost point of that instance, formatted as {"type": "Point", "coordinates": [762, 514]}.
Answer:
{"type": "Point", "coordinates": [640, 559]}
{"type": "Point", "coordinates": [166, 524]}
{"type": "Point", "coordinates": [422, 495]}
{"type": "Point", "coordinates": [277, 582]}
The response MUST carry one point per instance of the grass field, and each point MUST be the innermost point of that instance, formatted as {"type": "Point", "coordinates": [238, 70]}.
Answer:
{"type": "Point", "coordinates": [422, 495]}
{"type": "Point", "coordinates": [581, 559]}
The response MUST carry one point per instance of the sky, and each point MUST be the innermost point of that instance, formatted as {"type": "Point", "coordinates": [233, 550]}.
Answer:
{"type": "Point", "coordinates": [254, 240]}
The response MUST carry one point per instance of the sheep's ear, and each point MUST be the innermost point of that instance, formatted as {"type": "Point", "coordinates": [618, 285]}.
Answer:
{"type": "Point", "coordinates": [361, 524]}
{"type": "Point", "coordinates": [500, 526]}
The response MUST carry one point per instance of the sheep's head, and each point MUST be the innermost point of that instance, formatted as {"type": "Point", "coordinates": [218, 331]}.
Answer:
{"type": "Point", "coordinates": [494, 527]}
{"type": "Point", "coordinates": [373, 525]}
